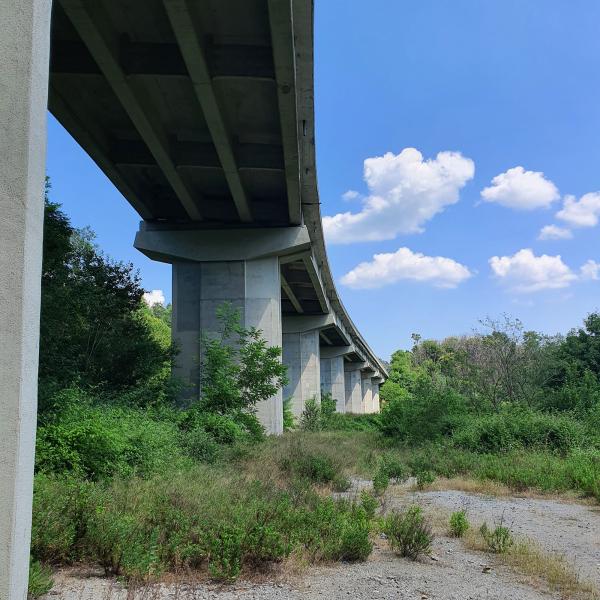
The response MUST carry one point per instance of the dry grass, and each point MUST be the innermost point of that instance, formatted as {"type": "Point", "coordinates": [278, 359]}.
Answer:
{"type": "Point", "coordinates": [487, 487]}
{"type": "Point", "coordinates": [541, 568]}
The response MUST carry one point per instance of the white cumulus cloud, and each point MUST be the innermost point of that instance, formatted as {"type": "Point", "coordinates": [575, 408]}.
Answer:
{"type": "Point", "coordinates": [553, 232]}
{"type": "Point", "coordinates": [521, 189]}
{"type": "Point", "coordinates": [405, 191]}
{"type": "Point", "coordinates": [350, 195]}
{"type": "Point", "coordinates": [581, 213]}
{"type": "Point", "coordinates": [524, 272]}
{"type": "Point", "coordinates": [404, 264]}
{"type": "Point", "coordinates": [154, 297]}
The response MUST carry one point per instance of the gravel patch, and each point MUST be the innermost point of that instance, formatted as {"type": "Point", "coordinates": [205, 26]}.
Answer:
{"type": "Point", "coordinates": [568, 529]}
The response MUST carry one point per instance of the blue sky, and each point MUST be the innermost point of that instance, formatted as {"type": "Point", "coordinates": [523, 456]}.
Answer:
{"type": "Point", "coordinates": [493, 86]}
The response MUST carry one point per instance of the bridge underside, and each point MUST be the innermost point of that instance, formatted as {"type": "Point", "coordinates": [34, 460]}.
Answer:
{"type": "Point", "coordinates": [201, 113]}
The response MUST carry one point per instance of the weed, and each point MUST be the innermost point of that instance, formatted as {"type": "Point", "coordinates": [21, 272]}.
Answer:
{"type": "Point", "coordinates": [380, 482]}
{"type": "Point", "coordinates": [369, 503]}
{"type": "Point", "coordinates": [459, 524]}
{"type": "Point", "coordinates": [499, 540]}
{"type": "Point", "coordinates": [424, 478]}
{"type": "Point", "coordinates": [40, 579]}
{"type": "Point", "coordinates": [408, 532]}
{"type": "Point", "coordinates": [311, 416]}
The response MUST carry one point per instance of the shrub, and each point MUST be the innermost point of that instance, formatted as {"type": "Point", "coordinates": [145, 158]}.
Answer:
{"type": "Point", "coordinates": [289, 421]}
{"type": "Point", "coordinates": [424, 478]}
{"type": "Point", "coordinates": [311, 416]}
{"type": "Point", "coordinates": [200, 445]}
{"type": "Point", "coordinates": [459, 524]}
{"type": "Point", "coordinates": [380, 482]}
{"type": "Point", "coordinates": [514, 428]}
{"type": "Point", "coordinates": [328, 406]}
{"type": "Point", "coordinates": [408, 532]}
{"type": "Point", "coordinates": [317, 468]}
{"type": "Point", "coordinates": [393, 467]}
{"type": "Point", "coordinates": [369, 503]}
{"type": "Point", "coordinates": [40, 579]}
{"type": "Point", "coordinates": [349, 422]}
{"type": "Point", "coordinates": [499, 540]}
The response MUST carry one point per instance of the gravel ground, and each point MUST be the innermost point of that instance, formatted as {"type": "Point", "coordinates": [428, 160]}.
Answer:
{"type": "Point", "coordinates": [455, 574]}
{"type": "Point", "coordinates": [561, 528]}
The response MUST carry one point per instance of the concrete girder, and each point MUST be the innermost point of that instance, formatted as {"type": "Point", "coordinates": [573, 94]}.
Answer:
{"type": "Point", "coordinates": [194, 56]}
{"type": "Point", "coordinates": [282, 36]}
{"type": "Point", "coordinates": [94, 29]}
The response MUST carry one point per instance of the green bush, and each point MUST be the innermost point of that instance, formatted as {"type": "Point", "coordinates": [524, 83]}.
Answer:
{"type": "Point", "coordinates": [317, 468]}
{"type": "Point", "coordinates": [459, 524]}
{"type": "Point", "coordinates": [424, 478]}
{"type": "Point", "coordinates": [194, 519]}
{"type": "Point", "coordinates": [40, 579]}
{"type": "Point", "coordinates": [328, 406]}
{"type": "Point", "coordinates": [514, 428]}
{"type": "Point", "coordinates": [310, 419]}
{"type": "Point", "coordinates": [499, 540]}
{"type": "Point", "coordinates": [200, 445]}
{"type": "Point", "coordinates": [350, 422]}
{"type": "Point", "coordinates": [381, 482]}
{"type": "Point", "coordinates": [100, 441]}
{"type": "Point", "coordinates": [289, 422]}
{"type": "Point", "coordinates": [393, 467]}
{"type": "Point", "coordinates": [408, 532]}
{"type": "Point", "coordinates": [369, 503]}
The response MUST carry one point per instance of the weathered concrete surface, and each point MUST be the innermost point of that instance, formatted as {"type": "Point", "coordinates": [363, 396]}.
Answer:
{"type": "Point", "coordinates": [24, 48]}
{"type": "Point", "coordinates": [367, 391]}
{"type": "Point", "coordinates": [353, 385]}
{"type": "Point", "coordinates": [333, 381]}
{"type": "Point", "coordinates": [301, 356]}
{"type": "Point", "coordinates": [199, 289]}
{"type": "Point", "coordinates": [375, 392]}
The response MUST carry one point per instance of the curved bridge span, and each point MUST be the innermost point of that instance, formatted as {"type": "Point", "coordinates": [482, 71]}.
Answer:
{"type": "Point", "coordinates": [201, 113]}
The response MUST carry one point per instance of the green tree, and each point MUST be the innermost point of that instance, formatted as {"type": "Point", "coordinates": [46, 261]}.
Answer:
{"type": "Point", "coordinates": [238, 368]}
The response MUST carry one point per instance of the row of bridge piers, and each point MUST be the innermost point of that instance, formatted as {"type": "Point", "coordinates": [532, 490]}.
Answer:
{"type": "Point", "coordinates": [243, 268]}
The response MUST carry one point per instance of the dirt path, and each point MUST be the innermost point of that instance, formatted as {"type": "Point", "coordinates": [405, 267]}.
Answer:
{"type": "Point", "coordinates": [456, 574]}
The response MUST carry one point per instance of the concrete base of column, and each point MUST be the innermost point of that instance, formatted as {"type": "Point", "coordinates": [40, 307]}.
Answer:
{"type": "Point", "coordinates": [376, 405]}
{"type": "Point", "coordinates": [24, 50]}
{"type": "Point", "coordinates": [199, 289]}
{"type": "Point", "coordinates": [301, 356]}
{"type": "Point", "coordinates": [333, 381]}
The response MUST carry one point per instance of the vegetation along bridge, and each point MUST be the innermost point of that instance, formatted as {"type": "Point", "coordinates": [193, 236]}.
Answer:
{"type": "Point", "coordinates": [201, 113]}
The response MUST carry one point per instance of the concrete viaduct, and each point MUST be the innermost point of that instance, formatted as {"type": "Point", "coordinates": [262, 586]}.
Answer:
{"type": "Point", "coordinates": [201, 114]}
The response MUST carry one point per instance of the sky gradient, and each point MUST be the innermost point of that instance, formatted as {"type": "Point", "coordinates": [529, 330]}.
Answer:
{"type": "Point", "coordinates": [449, 135]}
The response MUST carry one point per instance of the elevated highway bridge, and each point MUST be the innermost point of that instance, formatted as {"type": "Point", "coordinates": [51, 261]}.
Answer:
{"type": "Point", "coordinates": [201, 112]}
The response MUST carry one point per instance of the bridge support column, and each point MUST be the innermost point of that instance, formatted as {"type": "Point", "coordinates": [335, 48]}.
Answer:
{"type": "Point", "coordinates": [353, 385]}
{"type": "Point", "coordinates": [376, 405]}
{"type": "Point", "coordinates": [199, 289]}
{"type": "Point", "coordinates": [302, 358]}
{"type": "Point", "coordinates": [333, 381]}
{"type": "Point", "coordinates": [24, 49]}
{"type": "Point", "coordinates": [367, 392]}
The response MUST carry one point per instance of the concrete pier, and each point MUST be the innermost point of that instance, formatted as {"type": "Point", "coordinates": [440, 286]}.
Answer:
{"type": "Point", "coordinates": [367, 393]}
{"type": "Point", "coordinates": [333, 381]}
{"type": "Point", "coordinates": [353, 385]}
{"type": "Point", "coordinates": [24, 50]}
{"type": "Point", "coordinates": [199, 289]}
{"type": "Point", "coordinates": [301, 356]}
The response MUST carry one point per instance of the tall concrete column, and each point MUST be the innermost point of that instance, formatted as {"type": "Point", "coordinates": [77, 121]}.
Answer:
{"type": "Point", "coordinates": [199, 289]}
{"type": "Point", "coordinates": [353, 385]}
{"type": "Point", "coordinates": [24, 49]}
{"type": "Point", "coordinates": [302, 358]}
{"type": "Point", "coordinates": [367, 391]}
{"type": "Point", "coordinates": [376, 405]}
{"type": "Point", "coordinates": [333, 381]}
